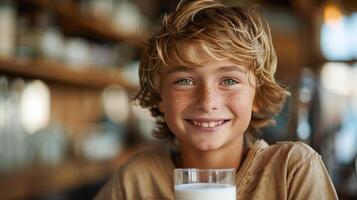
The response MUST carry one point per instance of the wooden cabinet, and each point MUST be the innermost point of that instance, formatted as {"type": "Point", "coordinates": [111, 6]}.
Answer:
{"type": "Point", "coordinates": [55, 72]}
{"type": "Point", "coordinates": [75, 103]}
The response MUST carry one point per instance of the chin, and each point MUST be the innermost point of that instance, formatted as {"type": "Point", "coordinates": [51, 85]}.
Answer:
{"type": "Point", "coordinates": [207, 146]}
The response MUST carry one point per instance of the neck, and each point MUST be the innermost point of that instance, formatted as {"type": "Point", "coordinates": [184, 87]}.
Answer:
{"type": "Point", "coordinates": [229, 156]}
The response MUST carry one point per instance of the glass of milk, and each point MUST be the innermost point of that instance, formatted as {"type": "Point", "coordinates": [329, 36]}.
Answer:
{"type": "Point", "coordinates": [207, 184]}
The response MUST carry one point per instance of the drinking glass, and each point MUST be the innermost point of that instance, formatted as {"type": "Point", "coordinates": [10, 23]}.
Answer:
{"type": "Point", "coordinates": [207, 184]}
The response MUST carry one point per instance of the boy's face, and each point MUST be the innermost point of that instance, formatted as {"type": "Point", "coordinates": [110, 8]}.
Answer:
{"type": "Point", "coordinates": [207, 107]}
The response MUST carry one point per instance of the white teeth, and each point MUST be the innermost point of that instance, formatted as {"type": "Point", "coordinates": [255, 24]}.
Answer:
{"type": "Point", "coordinates": [212, 124]}
{"type": "Point", "coordinates": [208, 124]}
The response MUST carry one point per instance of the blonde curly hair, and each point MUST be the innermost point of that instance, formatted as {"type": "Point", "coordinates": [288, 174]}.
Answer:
{"type": "Point", "coordinates": [223, 32]}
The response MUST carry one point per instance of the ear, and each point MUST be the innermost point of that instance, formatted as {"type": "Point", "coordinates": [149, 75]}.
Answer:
{"type": "Point", "coordinates": [160, 106]}
{"type": "Point", "coordinates": [255, 107]}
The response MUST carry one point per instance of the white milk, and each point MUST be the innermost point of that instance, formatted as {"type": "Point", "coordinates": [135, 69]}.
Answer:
{"type": "Point", "coordinates": [205, 191]}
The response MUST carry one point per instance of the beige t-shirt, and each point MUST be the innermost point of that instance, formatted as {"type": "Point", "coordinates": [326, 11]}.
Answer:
{"type": "Point", "coordinates": [286, 170]}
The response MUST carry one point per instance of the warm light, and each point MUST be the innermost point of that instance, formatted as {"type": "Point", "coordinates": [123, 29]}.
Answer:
{"type": "Point", "coordinates": [336, 78]}
{"type": "Point", "coordinates": [332, 14]}
{"type": "Point", "coordinates": [145, 121]}
{"type": "Point", "coordinates": [335, 31]}
{"type": "Point", "coordinates": [35, 106]}
{"type": "Point", "coordinates": [116, 103]}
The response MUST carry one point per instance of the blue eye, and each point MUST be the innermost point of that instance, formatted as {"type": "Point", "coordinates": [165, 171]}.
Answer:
{"type": "Point", "coordinates": [185, 81]}
{"type": "Point", "coordinates": [229, 82]}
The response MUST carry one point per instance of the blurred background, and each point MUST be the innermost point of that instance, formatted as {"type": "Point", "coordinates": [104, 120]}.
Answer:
{"type": "Point", "coordinates": [68, 69]}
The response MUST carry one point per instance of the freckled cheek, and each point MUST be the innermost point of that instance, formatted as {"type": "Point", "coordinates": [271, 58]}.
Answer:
{"type": "Point", "coordinates": [239, 103]}
{"type": "Point", "coordinates": [178, 102]}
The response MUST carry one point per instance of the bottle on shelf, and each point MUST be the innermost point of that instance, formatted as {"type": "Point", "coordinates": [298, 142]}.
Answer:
{"type": "Point", "coordinates": [8, 28]}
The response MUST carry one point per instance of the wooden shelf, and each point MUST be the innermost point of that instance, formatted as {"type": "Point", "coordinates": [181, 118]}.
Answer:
{"type": "Point", "coordinates": [42, 180]}
{"type": "Point", "coordinates": [87, 77]}
{"type": "Point", "coordinates": [87, 23]}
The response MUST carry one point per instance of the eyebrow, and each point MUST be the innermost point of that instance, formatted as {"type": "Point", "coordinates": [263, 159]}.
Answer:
{"type": "Point", "coordinates": [230, 68]}
{"type": "Point", "coordinates": [179, 69]}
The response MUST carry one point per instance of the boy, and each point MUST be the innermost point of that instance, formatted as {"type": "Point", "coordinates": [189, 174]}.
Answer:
{"type": "Point", "coordinates": [208, 78]}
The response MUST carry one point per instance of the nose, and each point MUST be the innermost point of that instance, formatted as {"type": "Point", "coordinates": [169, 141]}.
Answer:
{"type": "Point", "coordinates": [207, 99]}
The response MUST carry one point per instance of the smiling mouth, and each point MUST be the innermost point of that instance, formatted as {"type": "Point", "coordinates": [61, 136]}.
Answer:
{"type": "Point", "coordinates": [207, 124]}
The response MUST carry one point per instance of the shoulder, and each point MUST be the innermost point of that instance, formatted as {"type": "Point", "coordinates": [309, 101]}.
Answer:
{"type": "Point", "coordinates": [293, 149]}
{"type": "Point", "coordinates": [146, 163]}
{"type": "Point", "coordinates": [289, 154]}
{"type": "Point", "coordinates": [305, 173]}
{"type": "Point", "coordinates": [147, 155]}
{"type": "Point", "coordinates": [140, 175]}
{"type": "Point", "coordinates": [296, 153]}
{"type": "Point", "coordinates": [147, 158]}
{"type": "Point", "coordinates": [294, 167]}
